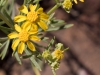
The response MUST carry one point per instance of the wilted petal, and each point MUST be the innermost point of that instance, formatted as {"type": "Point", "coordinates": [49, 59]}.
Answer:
{"type": "Point", "coordinates": [34, 38]}
{"type": "Point", "coordinates": [43, 25]}
{"type": "Point", "coordinates": [23, 9]}
{"type": "Point", "coordinates": [15, 44]}
{"type": "Point", "coordinates": [19, 18]}
{"type": "Point", "coordinates": [21, 47]}
{"type": "Point", "coordinates": [32, 7]}
{"type": "Point", "coordinates": [17, 28]}
{"type": "Point", "coordinates": [12, 35]}
{"type": "Point", "coordinates": [31, 46]}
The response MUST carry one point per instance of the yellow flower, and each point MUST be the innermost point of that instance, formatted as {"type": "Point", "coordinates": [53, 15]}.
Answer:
{"type": "Point", "coordinates": [67, 4]}
{"type": "Point", "coordinates": [79, 0]}
{"type": "Point", "coordinates": [33, 16]}
{"type": "Point", "coordinates": [22, 37]}
{"type": "Point", "coordinates": [58, 54]}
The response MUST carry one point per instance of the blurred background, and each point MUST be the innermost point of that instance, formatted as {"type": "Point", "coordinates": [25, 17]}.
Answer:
{"type": "Point", "coordinates": [83, 40]}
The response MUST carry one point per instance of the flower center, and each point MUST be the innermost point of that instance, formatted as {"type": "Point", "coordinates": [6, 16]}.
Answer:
{"type": "Point", "coordinates": [23, 36]}
{"type": "Point", "coordinates": [67, 4]}
{"type": "Point", "coordinates": [32, 16]}
{"type": "Point", "coordinates": [58, 54]}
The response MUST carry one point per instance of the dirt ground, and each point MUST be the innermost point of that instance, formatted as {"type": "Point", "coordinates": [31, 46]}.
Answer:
{"type": "Point", "coordinates": [83, 40]}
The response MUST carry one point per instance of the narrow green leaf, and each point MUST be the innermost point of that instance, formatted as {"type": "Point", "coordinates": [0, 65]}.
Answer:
{"type": "Point", "coordinates": [51, 43]}
{"type": "Point", "coordinates": [26, 56]}
{"type": "Point", "coordinates": [3, 53]}
{"type": "Point", "coordinates": [2, 22]}
{"type": "Point", "coordinates": [17, 58]}
{"type": "Point", "coordinates": [32, 59]}
{"type": "Point", "coordinates": [68, 25]}
{"type": "Point", "coordinates": [2, 39]}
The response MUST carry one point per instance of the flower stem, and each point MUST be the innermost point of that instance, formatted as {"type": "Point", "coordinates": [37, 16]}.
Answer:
{"type": "Point", "coordinates": [54, 8]}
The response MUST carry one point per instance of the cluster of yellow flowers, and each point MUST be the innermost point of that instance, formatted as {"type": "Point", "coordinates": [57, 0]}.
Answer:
{"type": "Point", "coordinates": [29, 24]}
{"type": "Point", "coordinates": [27, 33]}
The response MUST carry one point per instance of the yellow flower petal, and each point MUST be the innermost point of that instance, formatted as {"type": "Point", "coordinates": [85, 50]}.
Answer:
{"type": "Point", "coordinates": [15, 44]}
{"type": "Point", "coordinates": [82, 0]}
{"type": "Point", "coordinates": [23, 9]}
{"type": "Point", "coordinates": [17, 28]}
{"type": "Point", "coordinates": [12, 35]}
{"type": "Point", "coordinates": [34, 29]}
{"type": "Point", "coordinates": [26, 25]}
{"type": "Point", "coordinates": [21, 47]}
{"type": "Point", "coordinates": [40, 10]}
{"type": "Point", "coordinates": [31, 46]}
{"type": "Point", "coordinates": [75, 1]}
{"type": "Point", "coordinates": [19, 18]}
{"type": "Point", "coordinates": [32, 7]}
{"type": "Point", "coordinates": [43, 25]}
{"type": "Point", "coordinates": [34, 38]}
{"type": "Point", "coordinates": [44, 16]}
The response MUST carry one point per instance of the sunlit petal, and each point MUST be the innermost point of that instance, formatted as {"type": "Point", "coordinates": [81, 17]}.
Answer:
{"type": "Point", "coordinates": [23, 9]}
{"type": "Point", "coordinates": [31, 46]}
{"type": "Point", "coordinates": [26, 25]}
{"type": "Point", "coordinates": [44, 16]}
{"type": "Point", "coordinates": [34, 38]}
{"type": "Point", "coordinates": [12, 35]}
{"type": "Point", "coordinates": [17, 28]}
{"type": "Point", "coordinates": [19, 18]}
{"type": "Point", "coordinates": [15, 44]}
{"type": "Point", "coordinates": [40, 10]}
{"type": "Point", "coordinates": [43, 25]}
{"type": "Point", "coordinates": [21, 47]}
{"type": "Point", "coordinates": [32, 7]}
{"type": "Point", "coordinates": [75, 1]}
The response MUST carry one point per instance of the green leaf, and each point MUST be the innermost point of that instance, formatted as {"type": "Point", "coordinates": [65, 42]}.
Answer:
{"type": "Point", "coordinates": [51, 43]}
{"type": "Point", "coordinates": [17, 58]}
{"type": "Point", "coordinates": [59, 28]}
{"type": "Point", "coordinates": [32, 59]}
{"type": "Point", "coordinates": [26, 56]}
{"type": "Point", "coordinates": [2, 39]}
{"type": "Point", "coordinates": [4, 51]}
{"type": "Point", "coordinates": [2, 22]}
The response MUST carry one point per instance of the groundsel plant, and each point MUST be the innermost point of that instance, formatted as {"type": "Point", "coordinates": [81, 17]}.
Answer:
{"type": "Point", "coordinates": [26, 29]}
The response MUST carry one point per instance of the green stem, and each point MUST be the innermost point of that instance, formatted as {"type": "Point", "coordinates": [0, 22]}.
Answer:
{"type": "Point", "coordinates": [57, 1]}
{"type": "Point", "coordinates": [54, 8]}
{"type": "Point", "coordinates": [25, 1]}
{"type": "Point", "coordinates": [6, 21]}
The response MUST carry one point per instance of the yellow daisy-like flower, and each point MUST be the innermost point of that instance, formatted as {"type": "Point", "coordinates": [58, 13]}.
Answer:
{"type": "Point", "coordinates": [67, 4]}
{"type": "Point", "coordinates": [58, 54]}
{"type": "Point", "coordinates": [33, 16]}
{"type": "Point", "coordinates": [22, 37]}
{"type": "Point", "coordinates": [79, 0]}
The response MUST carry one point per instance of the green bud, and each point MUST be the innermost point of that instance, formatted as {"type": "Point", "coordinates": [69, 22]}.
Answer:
{"type": "Point", "coordinates": [46, 54]}
{"type": "Point", "coordinates": [55, 65]}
